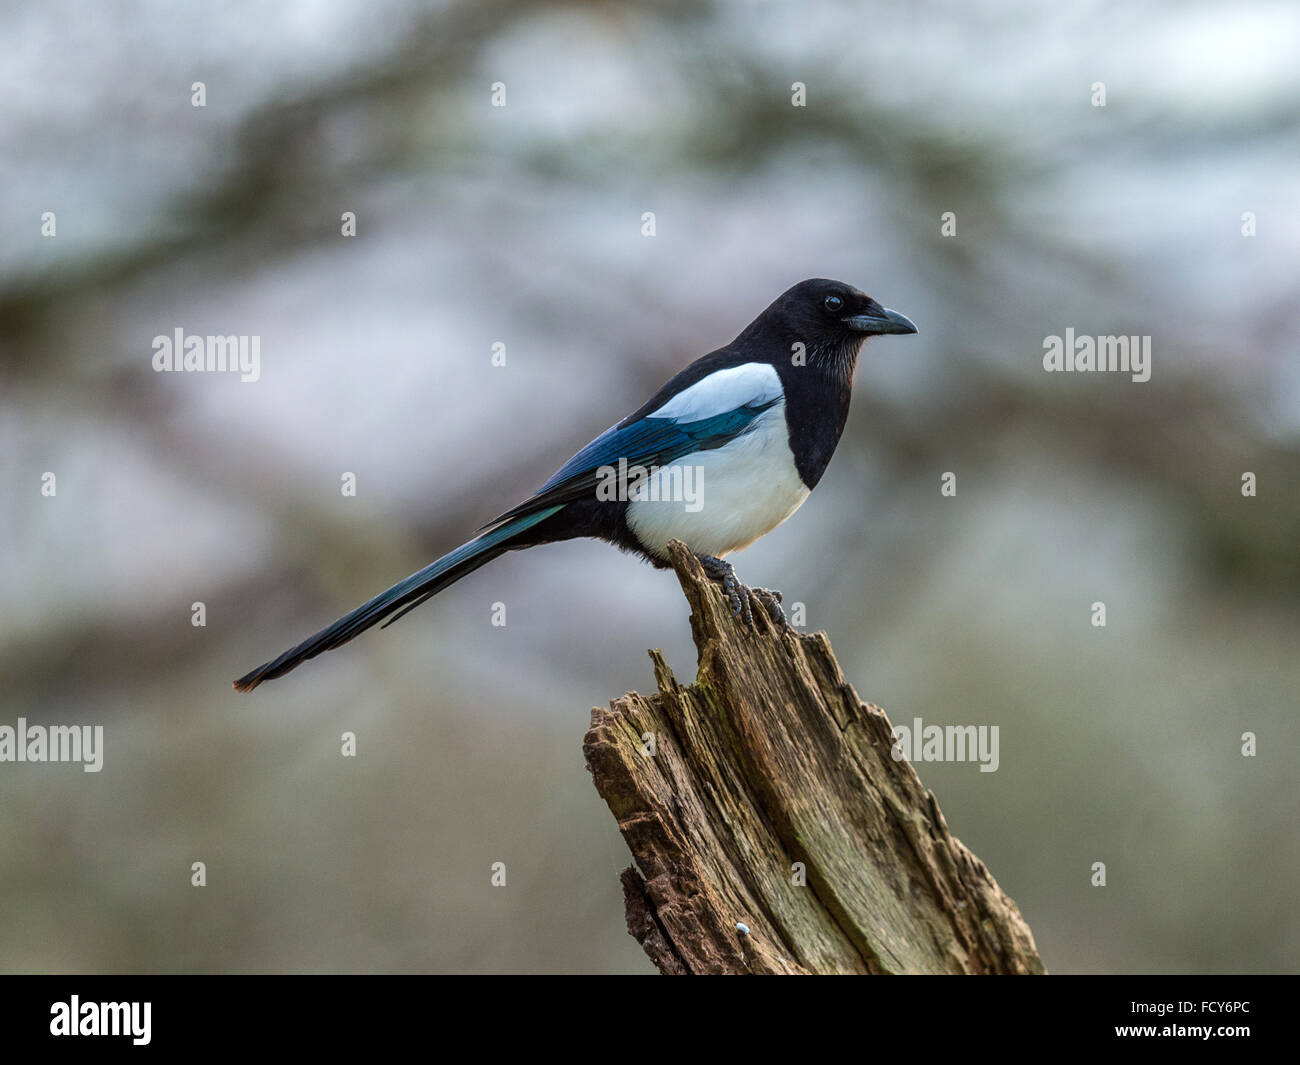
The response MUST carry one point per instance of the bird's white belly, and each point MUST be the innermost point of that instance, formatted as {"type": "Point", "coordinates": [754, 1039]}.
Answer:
{"type": "Point", "coordinates": [722, 500]}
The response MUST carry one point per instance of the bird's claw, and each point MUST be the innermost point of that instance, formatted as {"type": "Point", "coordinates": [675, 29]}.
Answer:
{"type": "Point", "coordinates": [741, 597]}
{"type": "Point", "coordinates": [771, 600]}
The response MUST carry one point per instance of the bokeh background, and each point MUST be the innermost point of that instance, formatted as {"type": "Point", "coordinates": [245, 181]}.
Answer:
{"type": "Point", "coordinates": [522, 225]}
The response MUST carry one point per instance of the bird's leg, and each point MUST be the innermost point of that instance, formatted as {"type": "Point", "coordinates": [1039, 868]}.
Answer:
{"type": "Point", "coordinates": [722, 571]}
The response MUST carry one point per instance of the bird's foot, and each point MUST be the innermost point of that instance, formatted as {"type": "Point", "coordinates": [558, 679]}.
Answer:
{"type": "Point", "coordinates": [717, 569]}
{"type": "Point", "coordinates": [771, 600]}
{"type": "Point", "coordinates": [742, 597]}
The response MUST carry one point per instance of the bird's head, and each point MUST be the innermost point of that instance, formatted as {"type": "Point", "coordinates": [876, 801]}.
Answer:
{"type": "Point", "coordinates": [831, 319]}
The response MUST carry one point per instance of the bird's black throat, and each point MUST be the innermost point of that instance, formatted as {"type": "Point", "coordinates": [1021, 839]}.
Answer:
{"type": "Point", "coordinates": [817, 395]}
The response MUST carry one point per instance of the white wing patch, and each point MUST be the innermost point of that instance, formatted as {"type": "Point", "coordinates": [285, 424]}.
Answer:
{"type": "Point", "coordinates": [744, 489]}
{"type": "Point", "coordinates": [754, 383]}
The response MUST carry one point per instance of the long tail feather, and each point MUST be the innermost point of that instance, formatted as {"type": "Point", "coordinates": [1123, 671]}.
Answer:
{"type": "Point", "coordinates": [409, 594]}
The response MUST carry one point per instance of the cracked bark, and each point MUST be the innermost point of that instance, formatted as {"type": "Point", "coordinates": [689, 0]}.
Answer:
{"type": "Point", "coordinates": [767, 765]}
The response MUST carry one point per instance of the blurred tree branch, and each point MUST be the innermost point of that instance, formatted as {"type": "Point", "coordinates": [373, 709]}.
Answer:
{"type": "Point", "coordinates": [770, 770]}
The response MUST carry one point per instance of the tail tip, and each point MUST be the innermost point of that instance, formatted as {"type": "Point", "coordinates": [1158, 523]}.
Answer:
{"type": "Point", "coordinates": [248, 683]}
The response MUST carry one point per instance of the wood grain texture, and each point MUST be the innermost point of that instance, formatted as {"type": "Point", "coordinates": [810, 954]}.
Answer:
{"type": "Point", "coordinates": [770, 759]}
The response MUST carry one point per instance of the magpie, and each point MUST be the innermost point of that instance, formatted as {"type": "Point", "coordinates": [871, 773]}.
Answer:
{"type": "Point", "coordinates": [723, 453]}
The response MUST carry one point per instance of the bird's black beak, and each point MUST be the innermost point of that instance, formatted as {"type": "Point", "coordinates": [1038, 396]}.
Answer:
{"type": "Point", "coordinates": [880, 320]}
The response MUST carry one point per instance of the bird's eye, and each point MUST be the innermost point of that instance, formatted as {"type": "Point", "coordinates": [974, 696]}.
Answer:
{"type": "Point", "coordinates": [833, 304]}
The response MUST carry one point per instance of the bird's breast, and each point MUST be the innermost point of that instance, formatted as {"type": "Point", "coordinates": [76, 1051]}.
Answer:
{"type": "Point", "coordinates": [723, 499]}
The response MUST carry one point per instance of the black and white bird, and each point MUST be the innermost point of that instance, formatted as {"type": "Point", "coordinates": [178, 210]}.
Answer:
{"type": "Point", "coordinates": [723, 453]}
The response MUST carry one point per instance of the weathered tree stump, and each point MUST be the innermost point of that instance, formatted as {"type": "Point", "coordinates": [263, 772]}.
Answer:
{"type": "Point", "coordinates": [770, 759]}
